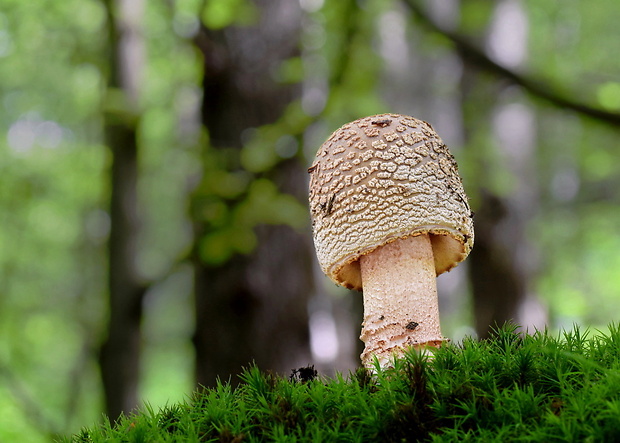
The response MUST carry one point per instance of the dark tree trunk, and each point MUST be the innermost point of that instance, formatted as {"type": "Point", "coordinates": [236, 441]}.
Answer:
{"type": "Point", "coordinates": [120, 353]}
{"type": "Point", "coordinates": [252, 308]}
{"type": "Point", "coordinates": [498, 285]}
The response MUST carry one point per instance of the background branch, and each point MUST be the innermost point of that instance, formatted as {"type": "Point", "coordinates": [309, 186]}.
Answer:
{"type": "Point", "coordinates": [36, 414]}
{"type": "Point", "coordinates": [535, 87]}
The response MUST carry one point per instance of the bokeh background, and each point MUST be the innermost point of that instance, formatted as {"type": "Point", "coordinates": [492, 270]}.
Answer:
{"type": "Point", "coordinates": [154, 231]}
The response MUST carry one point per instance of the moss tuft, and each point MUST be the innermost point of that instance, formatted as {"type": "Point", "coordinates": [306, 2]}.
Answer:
{"type": "Point", "coordinates": [510, 387]}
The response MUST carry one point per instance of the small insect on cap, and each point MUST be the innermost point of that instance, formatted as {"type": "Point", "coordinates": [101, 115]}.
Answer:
{"type": "Point", "coordinates": [381, 178]}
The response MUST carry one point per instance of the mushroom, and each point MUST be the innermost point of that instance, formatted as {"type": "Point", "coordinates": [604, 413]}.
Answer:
{"type": "Point", "coordinates": [389, 214]}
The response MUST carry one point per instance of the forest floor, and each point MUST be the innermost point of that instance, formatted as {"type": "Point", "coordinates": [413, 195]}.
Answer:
{"type": "Point", "coordinates": [512, 387]}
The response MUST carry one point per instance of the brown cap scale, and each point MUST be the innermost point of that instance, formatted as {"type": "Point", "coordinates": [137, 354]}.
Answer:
{"type": "Point", "coordinates": [389, 214]}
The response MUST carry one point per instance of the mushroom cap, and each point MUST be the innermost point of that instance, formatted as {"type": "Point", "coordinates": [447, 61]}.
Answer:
{"type": "Point", "coordinates": [379, 179]}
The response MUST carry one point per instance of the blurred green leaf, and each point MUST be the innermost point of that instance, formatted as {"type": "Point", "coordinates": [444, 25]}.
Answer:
{"type": "Point", "coordinates": [609, 95]}
{"type": "Point", "coordinates": [265, 204]}
{"type": "Point", "coordinates": [290, 70]}
{"type": "Point", "coordinates": [218, 246]}
{"type": "Point", "coordinates": [475, 16]}
{"type": "Point", "coordinates": [218, 14]}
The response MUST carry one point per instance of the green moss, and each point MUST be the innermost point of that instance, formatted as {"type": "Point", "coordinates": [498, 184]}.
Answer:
{"type": "Point", "coordinates": [511, 387]}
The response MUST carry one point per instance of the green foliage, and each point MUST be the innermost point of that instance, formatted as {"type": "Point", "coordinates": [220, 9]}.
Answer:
{"type": "Point", "coordinates": [218, 14]}
{"type": "Point", "coordinates": [609, 95]}
{"type": "Point", "coordinates": [512, 387]}
{"type": "Point", "coordinates": [54, 195]}
{"type": "Point", "coordinates": [475, 15]}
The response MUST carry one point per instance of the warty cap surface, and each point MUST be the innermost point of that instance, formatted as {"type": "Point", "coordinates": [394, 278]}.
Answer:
{"type": "Point", "coordinates": [381, 178]}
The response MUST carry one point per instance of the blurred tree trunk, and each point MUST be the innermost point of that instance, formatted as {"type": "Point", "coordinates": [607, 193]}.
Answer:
{"type": "Point", "coordinates": [498, 285]}
{"type": "Point", "coordinates": [120, 353]}
{"type": "Point", "coordinates": [498, 277]}
{"type": "Point", "coordinates": [252, 308]}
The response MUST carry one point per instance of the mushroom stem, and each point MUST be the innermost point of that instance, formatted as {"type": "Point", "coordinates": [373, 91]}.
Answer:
{"type": "Point", "coordinates": [400, 299]}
